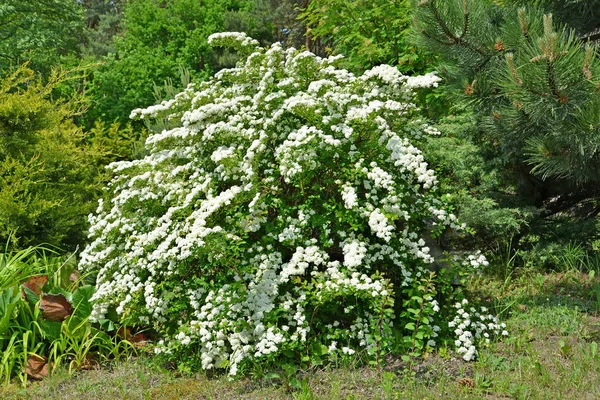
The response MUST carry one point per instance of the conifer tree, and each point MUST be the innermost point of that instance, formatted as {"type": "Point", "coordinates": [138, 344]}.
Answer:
{"type": "Point", "coordinates": [51, 171]}
{"type": "Point", "coordinates": [535, 90]}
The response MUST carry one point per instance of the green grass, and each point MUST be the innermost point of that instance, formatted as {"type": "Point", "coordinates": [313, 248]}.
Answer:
{"type": "Point", "coordinates": [552, 353]}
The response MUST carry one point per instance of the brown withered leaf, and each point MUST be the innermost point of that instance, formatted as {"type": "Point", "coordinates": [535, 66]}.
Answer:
{"type": "Point", "coordinates": [55, 307]}
{"type": "Point", "coordinates": [466, 383]}
{"type": "Point", "coordinates": [35, 284]}
{"type": "Point", "coordinates": [124, 333]}
{"type": "Point", "coordinates": [139, 340]}
{"type": "Point", "coordinates": [37, 367]}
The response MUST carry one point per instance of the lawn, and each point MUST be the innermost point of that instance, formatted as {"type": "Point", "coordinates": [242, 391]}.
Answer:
{"type": "Point", "coordinates": [551, 353]}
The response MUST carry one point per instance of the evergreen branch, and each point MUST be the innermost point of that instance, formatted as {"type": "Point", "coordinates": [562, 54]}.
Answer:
{"type": "Point", "coordinates": [587, 73]}
{"type": "Point", "coordinates": [523, 22]}
{"type": "Point", "coordinates": [592, 36]}
{"type": "Point", "coordinates": [466, 21]}
{"type": "Point", "coordinates": [552, 81]}
{"type": "Point", "coordinates": [442, 23]}
{"type": "Point", "coordinates": [428, 36]}
{"type": "Point", "coordinates": [566, 201]}
{"type": "Point", "coordinates": [453, 38]}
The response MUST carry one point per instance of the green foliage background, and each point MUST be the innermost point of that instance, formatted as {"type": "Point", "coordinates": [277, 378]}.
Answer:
{"type": "Point", "coordinates": [367, 33]}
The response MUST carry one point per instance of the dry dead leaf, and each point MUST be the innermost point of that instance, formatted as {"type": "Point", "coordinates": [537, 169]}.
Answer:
{"type": "Point", "coordinates": [124, 333]}
{"type": "Point", "coordinates": [74, 276]}
{"type": "Point", "coordinates": [35, 284]}
{"type": "Point", "coordinates": [466, 383]}
{"type": "Point", "coordinates": [89, 363]}
{"type": "Point", "coordinates": [37, 367]}
{"type": "Point", "coordinates": [55, 307]}
{"type": "Point", "coordinates": [139, 340]}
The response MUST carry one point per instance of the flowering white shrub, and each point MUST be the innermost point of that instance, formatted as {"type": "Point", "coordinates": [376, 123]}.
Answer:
{"type": "Point", "coordinates": [472, 327]}
{"type": "Point", "coordinates": [281, 213]}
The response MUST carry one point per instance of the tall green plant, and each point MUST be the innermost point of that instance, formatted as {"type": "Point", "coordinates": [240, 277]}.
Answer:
{"type": "Point", "coordinates": [157, 40]}
{"type": "Point", "coordinates": [50, 169]}
{"type": "Point", "coordinates": [43, 32]}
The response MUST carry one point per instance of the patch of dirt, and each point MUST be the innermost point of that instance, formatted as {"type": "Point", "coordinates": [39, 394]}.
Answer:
{"type": "Point", "coordinates": [432, 368]}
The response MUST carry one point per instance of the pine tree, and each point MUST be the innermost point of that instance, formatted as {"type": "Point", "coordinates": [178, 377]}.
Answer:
{"type": "Point", "coordinates": [535, 89]}
{"type": "Point", "coordinates": [103, 23]}
{"type": "Point", "coordinates": [581, 15]}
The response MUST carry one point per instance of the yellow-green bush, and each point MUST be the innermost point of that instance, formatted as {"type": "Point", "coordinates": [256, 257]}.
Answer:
{"type": "Point", "coordinates": [50, 170]}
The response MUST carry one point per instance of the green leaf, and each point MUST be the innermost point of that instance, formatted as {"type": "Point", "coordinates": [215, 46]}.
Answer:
{"type": "Point", "coordinates": [57, 290]}
{"type": "Point", "coordinates": [50, 329]}
{"type": "Point", "coordinates": [272, 375]}
{"type": "Point", "coordinates": [318, 349]}
{"type": "Point", "coordinates": [410, 326]}
{"type": "Point", "coordinates": [316, 360]}
{"type": "Point", "coordinates": [32, 298]}
{"type": "Point", "coordinates": [81, 301]}
{"type": "Point", "coordinates": [8, 301]}
{"type": "Point", "coordinates": [107, 325]}
{"type": "Point", "coordinates": [295, 383]}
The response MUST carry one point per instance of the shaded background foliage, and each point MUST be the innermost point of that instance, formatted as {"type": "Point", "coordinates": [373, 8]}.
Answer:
{"type": "Point", "coordinates": [44, 32]}
{"type": "Point", "coordinates": [367, 33]}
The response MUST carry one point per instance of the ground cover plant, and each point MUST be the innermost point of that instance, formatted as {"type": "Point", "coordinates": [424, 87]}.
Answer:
{"type": "Point", "coordinates": [281, 214]}
{"type": "Point", "coordinates": [45, 318]}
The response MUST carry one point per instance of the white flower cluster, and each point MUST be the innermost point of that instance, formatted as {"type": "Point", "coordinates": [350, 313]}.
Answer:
{"type": "Point", "coordinates": [283, 186]}
{"type": "Point", "coordinates": [349, 196]}
{"type": "Point", "coordinates": [473, 327]}
{"type": "Point", "coordinates": [477, 260]}
{"type": "Point", "coordinates": [442, 217]}
{"type": "Point", "coordinates": [235, 40]}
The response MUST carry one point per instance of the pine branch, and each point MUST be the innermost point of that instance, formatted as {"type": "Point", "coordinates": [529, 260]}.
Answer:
{"type": "Point", "coordinates": [552, 81]}
{"type": "Point", "coordinates": [466, 21]}
{"type": "Point", "coordinates": [457, 40]}
{"type": "Point", "coordinates": [592, 36]}
{"type": "Point", "coordinates": [442, 23]}
{"type": "Point", "coordinates": [435, 39]}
